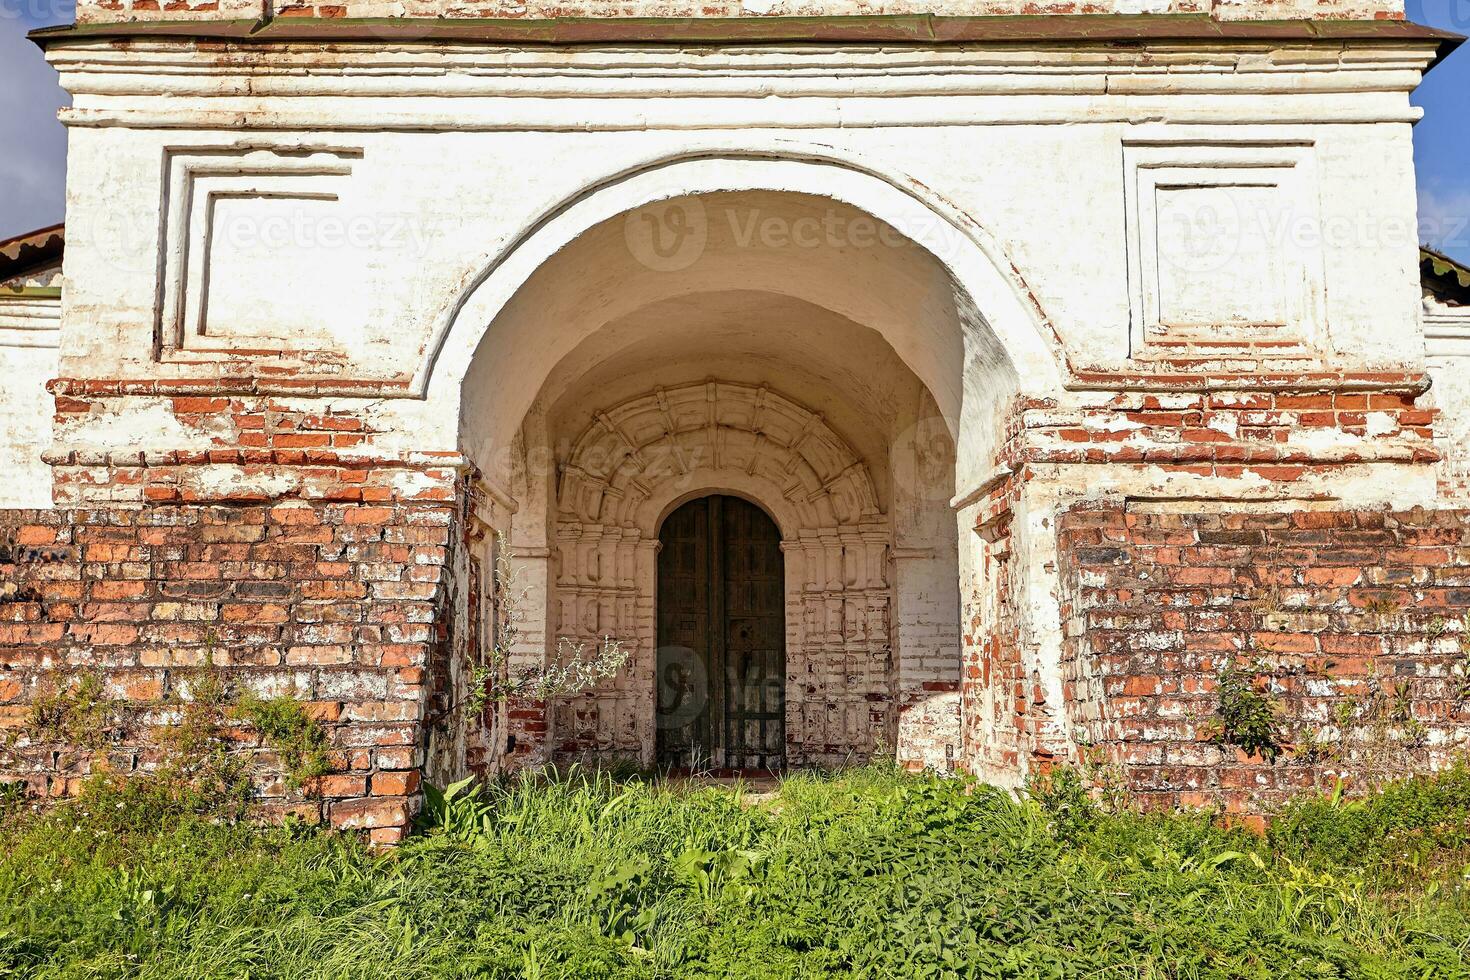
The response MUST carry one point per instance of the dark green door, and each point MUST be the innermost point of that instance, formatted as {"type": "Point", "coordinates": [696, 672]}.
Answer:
{"type": "Point", "coordinates": [721, 665]}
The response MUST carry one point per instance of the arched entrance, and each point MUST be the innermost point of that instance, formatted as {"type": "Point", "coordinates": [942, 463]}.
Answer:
{"type": "Point", "coordinates": [721, 656]}
{"type": "Point", "coordinates": [849, 382]}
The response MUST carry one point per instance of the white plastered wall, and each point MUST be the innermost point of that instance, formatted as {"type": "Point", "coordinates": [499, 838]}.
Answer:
{"type": "Point", "coordinates": [1447, 343]}
{"type": "Point", "coordinates": [30, 325]}
{"type": "Point", "coordinates": [433, 186]}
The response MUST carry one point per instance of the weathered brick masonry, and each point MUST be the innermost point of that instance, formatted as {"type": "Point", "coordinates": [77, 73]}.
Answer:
{"type": "Point", "coordinates": [1238, 437]}
{"type": "Point", "coordinates": [336, 604]}
{"type": "Point", "coordinates": [1241, 429]}
{"type": "Point", "coordinates": [1356, 620]}
{"type": "Point", "coordinates": [298, 556]}
{"type": "Point", "coordinates": [229, 442]}
{"type": "Point", "coordinates": [297, 455]}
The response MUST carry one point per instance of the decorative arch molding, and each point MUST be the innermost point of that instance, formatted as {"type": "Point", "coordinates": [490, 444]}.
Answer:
{"type": "Point", "coordinates": [668, 435]}
{"type": "Point", "coordinates": [1004, 332]}
{"type": "Point", "coordinates": [810, 168]}
{"type": "Point", "coordinates": [639, 459]}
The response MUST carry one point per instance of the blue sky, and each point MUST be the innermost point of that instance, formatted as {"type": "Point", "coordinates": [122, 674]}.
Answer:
{"type": "Point", "coordinates": [1442, 137]}
{"type": "Point", "coordinates": [33, 143]}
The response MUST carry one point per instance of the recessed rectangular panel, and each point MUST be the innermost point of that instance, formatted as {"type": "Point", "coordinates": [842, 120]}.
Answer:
{"type": "Point", "coordinates": [1223, 246]}
{"type": "Point", "coordinates": [1217, 261]}
{"type": "Point", "coordinates": [259, 252]}
{"type": "Point", "coordinates": [276, 271]}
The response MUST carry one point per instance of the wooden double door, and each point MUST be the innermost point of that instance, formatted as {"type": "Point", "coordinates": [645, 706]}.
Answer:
{"type": "Point", "coordinates": [721, 661]}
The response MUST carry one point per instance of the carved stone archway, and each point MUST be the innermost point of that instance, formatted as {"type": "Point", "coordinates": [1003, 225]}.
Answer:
{"type": "Point", "coordinates": [639, 459]}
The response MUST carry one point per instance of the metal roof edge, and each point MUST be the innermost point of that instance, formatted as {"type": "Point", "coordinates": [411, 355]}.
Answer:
{"type": "Point", "coordinates": [844, 29]}
{"type": "Point", "coordinates": [22, 253]}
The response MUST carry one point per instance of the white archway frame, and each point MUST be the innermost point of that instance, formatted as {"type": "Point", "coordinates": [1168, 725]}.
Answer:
{"type": "Point", "coordinates": [1009, 347]}
{"type": "Point", "coordinates": [976, 262]}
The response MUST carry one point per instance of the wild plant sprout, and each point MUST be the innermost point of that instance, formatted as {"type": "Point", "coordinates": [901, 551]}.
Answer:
{"type": "Point", "coordinates": [495, 681]}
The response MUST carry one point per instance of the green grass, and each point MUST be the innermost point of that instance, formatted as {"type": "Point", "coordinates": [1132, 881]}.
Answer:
{"type": "Point", "coordinates": [867, 874]}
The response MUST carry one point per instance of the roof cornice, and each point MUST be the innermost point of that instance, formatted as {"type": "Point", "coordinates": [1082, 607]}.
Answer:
{"type": "Point", "coordinates": [922, 29]}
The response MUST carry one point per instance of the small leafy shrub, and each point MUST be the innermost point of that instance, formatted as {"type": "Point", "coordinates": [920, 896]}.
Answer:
{"type": "Point", "coordinates": [1064, 794]}
{"type": "Point", "coordinates": [285, 726]}
{"type": "Point", "coordinates": [75, 711]}
{"type": "Point", "coordinates": [1249, 716]}
{"type": "Point", "coordinates": [492, 682]}
{"type": "Point", "coordinates": [1402, 830]}
{"type": "Point", "coordinates": [201, 768]}
{"type": "Point", "coordinates": [459, 810]}
{"type": "Point", "coordinates": [13, 795]}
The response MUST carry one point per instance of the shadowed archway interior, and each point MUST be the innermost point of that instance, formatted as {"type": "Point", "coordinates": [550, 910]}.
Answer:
{"type": "Point", "coordinates": [778, 373]}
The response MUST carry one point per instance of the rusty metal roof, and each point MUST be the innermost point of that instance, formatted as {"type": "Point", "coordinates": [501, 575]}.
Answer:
{"type": "Point", "coordinates": [860, 29]}
{"type": "Point", "coordinates": [33, 250]}
{"type": "Point", "coordinates": [1442, 276]}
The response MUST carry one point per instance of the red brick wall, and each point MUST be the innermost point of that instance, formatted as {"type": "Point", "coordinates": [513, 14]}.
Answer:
{"type": "Point", "coordinates": [340, 604]}
{"type": "Point", "coordinates": [1355, 618]}
{"type": "Point", "coordinates": [1247, 432]}
{"type": "Point", "coordinates": [994, 694]}
{"type": "Point", "coordinates": [243, 447]}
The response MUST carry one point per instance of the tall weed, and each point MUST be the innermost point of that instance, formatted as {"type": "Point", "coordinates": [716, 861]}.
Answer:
{"type": "Point", "coordinates": [867, 874]}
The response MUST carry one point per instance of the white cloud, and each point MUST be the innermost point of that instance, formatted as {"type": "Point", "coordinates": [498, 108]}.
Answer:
{"type": "Point", "coordinates": [1444, 218]}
